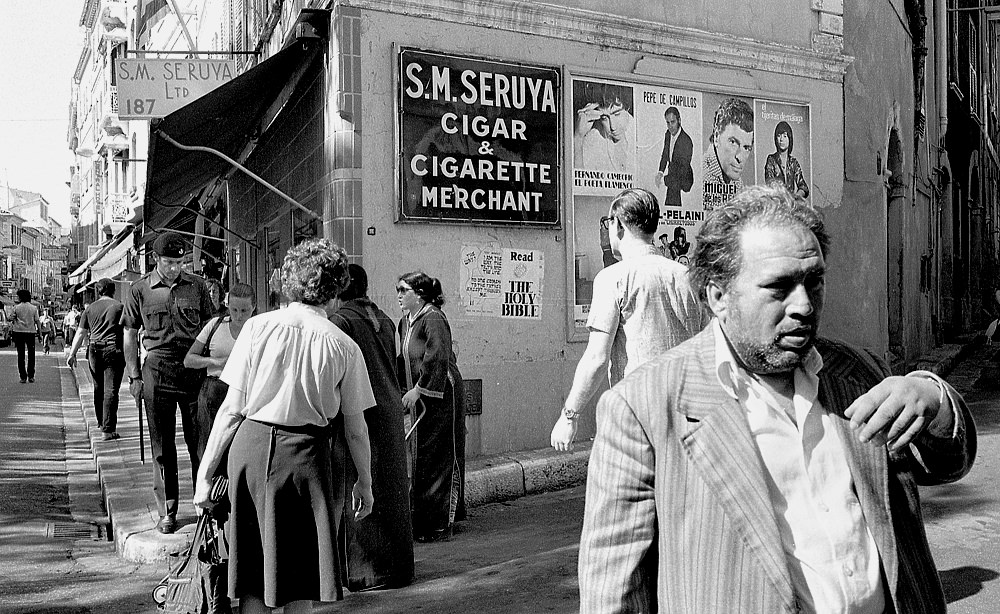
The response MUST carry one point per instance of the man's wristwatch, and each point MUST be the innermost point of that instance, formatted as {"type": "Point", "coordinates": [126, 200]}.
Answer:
{"type": "Point", "coordinates": [570, 414]}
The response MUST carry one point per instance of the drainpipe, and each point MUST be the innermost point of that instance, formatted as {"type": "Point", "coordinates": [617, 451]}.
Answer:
{"type": "Point", "coordinates": [943, 247]}
{"type": "Point", "coordinates": [941, 69]}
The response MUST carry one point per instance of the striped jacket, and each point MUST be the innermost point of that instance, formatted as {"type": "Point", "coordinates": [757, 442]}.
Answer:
{"type": "Point", "coordinates": [678, 516]}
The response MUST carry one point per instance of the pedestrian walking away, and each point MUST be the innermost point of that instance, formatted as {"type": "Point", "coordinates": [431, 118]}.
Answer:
{"type": "Point", "coordinates": [24, 328]}
{"type": "Point", "coordinates": [291, 373]}
{"type": "Point", "coordinates": [379, 550]}
{"type": "Point", "coordinates": [758, 467]}
{"type": "Point", "coordinates": [642, 306]}
{"type": "Point", "coordinates": [435, 401]}
{"type": "Point", "coordinates": [101, 324]}
{"type": "Point", "coordinates": [170, 306]}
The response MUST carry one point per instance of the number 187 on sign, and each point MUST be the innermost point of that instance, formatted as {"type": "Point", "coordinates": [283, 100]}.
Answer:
{"type": "Point", "coordinates": [137, 106]}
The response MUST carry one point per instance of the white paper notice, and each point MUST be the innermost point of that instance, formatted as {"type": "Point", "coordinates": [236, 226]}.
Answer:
{"type": "Point", "coordinates": [502, 282]}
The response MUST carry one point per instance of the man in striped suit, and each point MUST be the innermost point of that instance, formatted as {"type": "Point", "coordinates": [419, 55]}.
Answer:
{"type": "Point", "coordinates": [757, 468]}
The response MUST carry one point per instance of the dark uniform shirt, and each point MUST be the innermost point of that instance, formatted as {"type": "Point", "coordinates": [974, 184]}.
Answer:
{"type": "Point", "coordinates": [172, 315]}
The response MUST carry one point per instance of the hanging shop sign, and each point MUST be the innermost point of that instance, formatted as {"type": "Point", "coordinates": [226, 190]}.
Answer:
{"type": "Point", "coordinates": [154, 88]}
{"type": "Point", "coordinates": [54, 253]}
{"type": "Point", "coordinates": [479, 140]}
{"type": "Point", "coordinates": [694, 150]}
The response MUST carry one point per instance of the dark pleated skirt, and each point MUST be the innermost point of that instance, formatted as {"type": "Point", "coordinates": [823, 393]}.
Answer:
{"type": "Point", "coordinates": [283, 537]}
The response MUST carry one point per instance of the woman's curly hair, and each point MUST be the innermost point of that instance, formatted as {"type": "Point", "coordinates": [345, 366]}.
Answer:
{"type": "Point", "coordinates": [314, 271]}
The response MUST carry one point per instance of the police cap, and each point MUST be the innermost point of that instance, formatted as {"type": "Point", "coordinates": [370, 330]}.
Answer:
{"type": "Point", "coordinates": [170, 245]}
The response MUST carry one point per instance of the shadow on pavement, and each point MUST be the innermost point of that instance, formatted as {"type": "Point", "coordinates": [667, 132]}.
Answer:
{"type": "Point", "coordinates": [962, 582]}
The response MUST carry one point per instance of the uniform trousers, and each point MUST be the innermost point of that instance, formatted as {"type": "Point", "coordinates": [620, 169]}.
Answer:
{"type": "Point", "coordinates": [166, 385]}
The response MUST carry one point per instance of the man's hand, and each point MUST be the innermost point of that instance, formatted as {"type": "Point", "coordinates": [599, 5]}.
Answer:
{"type": "Point", "coordinates": [71, 361]}
{"type": "Point", "coordinates": [135, 387]}
{"type": "Point", "coordinates": [410, 399]}
{"type": "Point", "coordinates": [363, 500]}
{"type": "Point", "coordinates": [563, 434]}
{"type": "Point", "coordinates": [586, 117]}
{"type": "Point", "coordinates": [898, 409]}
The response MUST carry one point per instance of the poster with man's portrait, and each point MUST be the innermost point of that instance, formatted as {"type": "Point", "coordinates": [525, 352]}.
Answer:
{"type": "Point", "coordinates": [604, 152]}
{"type": "Point", "coordinates": [729, 142]}
{"type": "Point", "coordinates": [784, 147]}
{"type": "Point", "coordinates": [669, 133]}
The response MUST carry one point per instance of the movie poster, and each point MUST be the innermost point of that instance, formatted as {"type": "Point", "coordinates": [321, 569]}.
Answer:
{"type": "Point", "coordinates": [784, 146]}
{"type": "Point", "coordinates": [729, 142]}
{"type": "Point", "coordinates": [670, 162]}
{"type": "Point", "coordinates": [693, 150]}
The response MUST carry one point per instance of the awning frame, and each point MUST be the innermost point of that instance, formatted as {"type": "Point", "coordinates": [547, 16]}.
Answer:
{"type": "Point", "coordinates": [207, 185]}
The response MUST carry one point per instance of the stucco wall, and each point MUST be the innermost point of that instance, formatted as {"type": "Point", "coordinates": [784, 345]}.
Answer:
{"type": "Point", "coordinates": [878, 96]}
{"type": "Point", "coordinates": [527, 366]}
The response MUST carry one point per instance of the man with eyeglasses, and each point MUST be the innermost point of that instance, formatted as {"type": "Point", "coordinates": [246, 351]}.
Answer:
{"type": "Point", "coordinates": [642, 306]}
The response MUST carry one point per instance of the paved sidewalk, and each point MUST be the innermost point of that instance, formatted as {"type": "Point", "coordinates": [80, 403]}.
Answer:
{"type": "Point", "coordinates": [127, 482]}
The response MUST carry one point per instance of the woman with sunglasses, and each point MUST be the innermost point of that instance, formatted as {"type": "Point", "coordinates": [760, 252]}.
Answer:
{"type": "Point", "coordinates": [435, 400]}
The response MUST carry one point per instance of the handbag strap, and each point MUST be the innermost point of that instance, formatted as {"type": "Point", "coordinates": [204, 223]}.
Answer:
{"type": "Point", "coordinates": [206, 351]}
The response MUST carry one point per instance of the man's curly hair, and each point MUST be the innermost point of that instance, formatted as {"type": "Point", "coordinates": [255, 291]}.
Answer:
{"type": "Point", "coordinates": [718, 250]}
{"type": "Point", "coordinates": [314, 271]}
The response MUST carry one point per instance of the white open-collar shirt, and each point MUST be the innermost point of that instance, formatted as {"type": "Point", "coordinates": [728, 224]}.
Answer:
{"type": "Point", "coordinates": [832, 557]}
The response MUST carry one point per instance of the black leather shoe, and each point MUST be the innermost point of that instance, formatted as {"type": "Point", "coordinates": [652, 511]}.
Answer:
{"type": "Point", "coordinates": [167, 524]}
{"type": "Point", "coordinates": [439, 535]}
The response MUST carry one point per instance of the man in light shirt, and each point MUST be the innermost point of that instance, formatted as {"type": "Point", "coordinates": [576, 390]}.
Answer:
{"type": "Point", "coordinates": [642, 306]}
{"type": "Point", "coordinates": [758, 467]}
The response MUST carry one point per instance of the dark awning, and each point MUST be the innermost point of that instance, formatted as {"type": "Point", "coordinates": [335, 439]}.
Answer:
{"type": "Point", "coordinates": [226, 119]}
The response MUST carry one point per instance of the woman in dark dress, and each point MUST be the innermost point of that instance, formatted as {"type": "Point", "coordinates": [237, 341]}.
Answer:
{"type": "Point", "coordinates": [379, 550]}
{"type": "Point", "coordinates": [435, 400]}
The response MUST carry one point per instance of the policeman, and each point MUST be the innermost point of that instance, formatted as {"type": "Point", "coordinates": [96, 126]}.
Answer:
{"type": "Point", "coordinates": [171, 306]}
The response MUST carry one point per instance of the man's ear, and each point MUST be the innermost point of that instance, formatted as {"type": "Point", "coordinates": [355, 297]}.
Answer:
{"type": "Point", "coordinates": [718, 300]}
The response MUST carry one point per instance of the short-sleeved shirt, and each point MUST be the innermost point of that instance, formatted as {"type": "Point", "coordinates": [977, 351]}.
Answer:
{"type": "Point", "coordinates": [103, 319]}
{"type": "Point", "coordinates": [171, 314]}
{"type": "Point", "coordinates": [647, 304]}
{"type": "Point", "coordinates": [69, 320]}
{"type": "Point", "coordinates": [296, 368]}
{"type": "Point", "coordinates": [25, 318]}
{"type": "Point", "coordinates": [220, 345]}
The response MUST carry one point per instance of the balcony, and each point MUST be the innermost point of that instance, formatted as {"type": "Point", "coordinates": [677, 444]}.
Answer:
{"type": "Point", "coordinates": [114, 17]}
{"type": "Point", "coordinates": [110, 124]}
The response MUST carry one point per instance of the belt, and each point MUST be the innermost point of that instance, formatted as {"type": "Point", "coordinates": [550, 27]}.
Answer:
{"type": "Point", "coordinates": [303, 429]}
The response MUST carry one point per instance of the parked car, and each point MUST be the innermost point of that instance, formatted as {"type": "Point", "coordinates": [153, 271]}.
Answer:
{"type": "Point", "coordinates": [4, 328]}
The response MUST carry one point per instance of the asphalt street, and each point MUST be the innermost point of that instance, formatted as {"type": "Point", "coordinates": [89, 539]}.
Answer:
{"type": "Point", "coordinates": [514, 557]}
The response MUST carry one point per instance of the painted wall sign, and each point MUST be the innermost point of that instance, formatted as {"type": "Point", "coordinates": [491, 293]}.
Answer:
{"type": "Point", "coordinates": [149, 89]}
{"type": "Point", "coordinates": [694, 150]}
{"type": "Point", "coordinates": [479, 140]}
{"type": "Point", "coordinates": [503, 282]}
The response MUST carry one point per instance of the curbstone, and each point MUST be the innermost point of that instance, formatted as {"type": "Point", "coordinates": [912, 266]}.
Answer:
{"type": "Point", "coordinates": [133, 515]}
{"type": "Point", "coordinates": [546, 470]}
{"type": "Point", "coordinates": [495, 482]}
